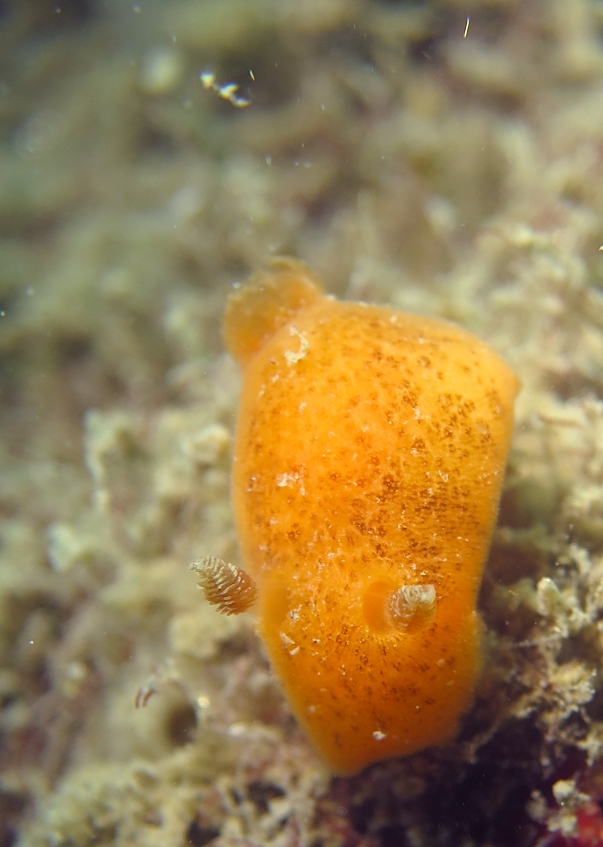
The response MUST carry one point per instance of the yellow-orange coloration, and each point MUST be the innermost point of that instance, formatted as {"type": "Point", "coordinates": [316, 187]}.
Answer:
{"type": "Point", "coordinates": [369, 457]}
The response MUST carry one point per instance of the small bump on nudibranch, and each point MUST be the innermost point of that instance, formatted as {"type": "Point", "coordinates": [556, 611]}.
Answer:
{"type": "Point", "coordinates": [224, 585]}
{"type": "Point", "coordinates": [271, 299]}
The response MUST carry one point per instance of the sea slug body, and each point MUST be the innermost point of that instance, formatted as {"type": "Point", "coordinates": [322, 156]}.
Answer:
{"type": "Point", "coordinates": [369, 458]}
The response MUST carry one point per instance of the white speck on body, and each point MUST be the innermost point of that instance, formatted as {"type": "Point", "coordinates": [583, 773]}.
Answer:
{"type": "Point", "coordinates": [285, 640]}
{"type": "Point", "coordinates": [285, 480]}
{"type": "Point", "coordinates": [291, 357]}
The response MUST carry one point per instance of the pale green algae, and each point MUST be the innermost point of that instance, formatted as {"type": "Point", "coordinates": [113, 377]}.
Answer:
{"type": "Point", "coordinates": [442, 157]}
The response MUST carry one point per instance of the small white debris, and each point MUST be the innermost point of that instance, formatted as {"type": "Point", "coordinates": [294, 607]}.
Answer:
{"type": "Point", "coordinates": [563, 790]}
{"type": "Point", "coordinates": [294, 358]}
{"type": "Point", "coordinates": [378, 735]}
{"type": "Point", "coordinates": [549, 600]}
{"type": "Point", "coordinates": [227, 91]}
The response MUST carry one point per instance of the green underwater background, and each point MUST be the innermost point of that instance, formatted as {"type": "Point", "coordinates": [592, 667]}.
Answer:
{"type": "Point", "coordinates": [443, 157]}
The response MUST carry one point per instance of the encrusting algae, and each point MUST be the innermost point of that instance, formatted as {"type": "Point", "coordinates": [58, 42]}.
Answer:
{"type": "Point", "coordinates": [369, 458]}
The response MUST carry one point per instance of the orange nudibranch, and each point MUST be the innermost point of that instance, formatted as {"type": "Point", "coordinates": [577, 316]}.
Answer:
{"type": "Point", "coordinates": [368, 463]}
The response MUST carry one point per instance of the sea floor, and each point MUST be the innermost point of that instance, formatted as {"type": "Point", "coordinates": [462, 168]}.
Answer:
{"type": "Point", "coordinates": [442, 157]}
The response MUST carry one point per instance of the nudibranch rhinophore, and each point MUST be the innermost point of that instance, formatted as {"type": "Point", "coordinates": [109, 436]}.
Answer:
{"type": "Point", "coordinates": [368, 462]}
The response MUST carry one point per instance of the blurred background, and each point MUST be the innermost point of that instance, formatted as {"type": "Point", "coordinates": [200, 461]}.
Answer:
{"type": "Point", "coordinates": [445, 157]}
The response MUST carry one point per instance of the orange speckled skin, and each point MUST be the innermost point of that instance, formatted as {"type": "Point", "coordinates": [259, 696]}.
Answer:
{"type": "Point", "coordinates": [369, 455]}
